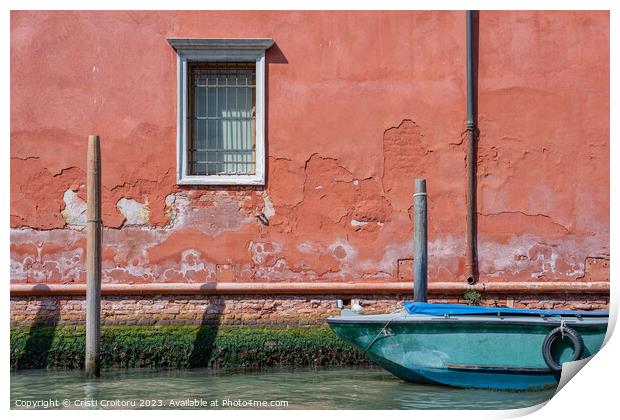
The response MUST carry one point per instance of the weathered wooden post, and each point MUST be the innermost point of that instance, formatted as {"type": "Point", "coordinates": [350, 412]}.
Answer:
{"type": "Point", "coordinates": [93, 257]}
{"type": "Point", "coordinates": [420, 242]}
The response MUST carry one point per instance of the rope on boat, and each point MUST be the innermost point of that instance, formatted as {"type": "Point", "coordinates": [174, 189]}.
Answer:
{"type": "Point", "coordinates": [563, 331]}
{"type": "Point", "coordinates": [382, 330]}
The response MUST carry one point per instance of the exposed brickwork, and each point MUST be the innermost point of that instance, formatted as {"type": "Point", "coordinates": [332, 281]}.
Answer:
{"type": "Point", "coordinates": [236, 310]}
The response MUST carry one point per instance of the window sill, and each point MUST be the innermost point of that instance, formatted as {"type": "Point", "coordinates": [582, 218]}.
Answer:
{"type": "Point", "coordinates": [222, 180]}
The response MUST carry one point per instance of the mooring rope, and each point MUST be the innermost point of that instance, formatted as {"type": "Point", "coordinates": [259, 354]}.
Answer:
{"type": "Point", "coordinates": [382, 330]}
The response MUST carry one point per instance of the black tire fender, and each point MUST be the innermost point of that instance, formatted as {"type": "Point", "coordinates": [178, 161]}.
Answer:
{"type": "Point", "coordinates": [563, 331]}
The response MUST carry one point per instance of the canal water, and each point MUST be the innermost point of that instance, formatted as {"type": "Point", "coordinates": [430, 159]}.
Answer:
{"type": "Point", "coordinates": [333, 388]}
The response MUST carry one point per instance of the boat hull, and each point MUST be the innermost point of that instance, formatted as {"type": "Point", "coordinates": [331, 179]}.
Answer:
{"type": "Point", "coordinates": [496, 352]}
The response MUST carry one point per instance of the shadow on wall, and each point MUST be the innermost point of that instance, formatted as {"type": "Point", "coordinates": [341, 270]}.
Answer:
{"type": "Point", "coordinates": [40, 336]}
{"type": "Point", "coordinates": [204, 345]}
{"type": "Point", "coordinates": [274, 56]}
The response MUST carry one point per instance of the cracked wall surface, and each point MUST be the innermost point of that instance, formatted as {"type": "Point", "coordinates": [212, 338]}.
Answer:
{"type": "Point", "coordinates": [351, 122]}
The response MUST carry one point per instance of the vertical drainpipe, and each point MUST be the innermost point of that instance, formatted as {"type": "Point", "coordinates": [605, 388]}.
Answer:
{"type": "Point", "coordinates": [470, 261]}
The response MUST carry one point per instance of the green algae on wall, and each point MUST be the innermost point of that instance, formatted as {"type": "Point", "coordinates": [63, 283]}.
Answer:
{"type": "Point", "coordinates": [182, 347]}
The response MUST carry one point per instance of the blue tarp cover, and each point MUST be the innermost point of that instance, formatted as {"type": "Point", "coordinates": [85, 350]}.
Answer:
{"type": "Point", "coordinates": [454, 309]}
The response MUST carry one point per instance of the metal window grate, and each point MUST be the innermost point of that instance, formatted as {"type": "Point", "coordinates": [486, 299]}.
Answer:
{"type": "Point", "coordinates": [222, 120]}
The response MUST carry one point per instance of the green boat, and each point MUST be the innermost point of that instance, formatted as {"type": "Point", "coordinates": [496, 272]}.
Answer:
{"type": "Point", "coordinates": [473, 346]}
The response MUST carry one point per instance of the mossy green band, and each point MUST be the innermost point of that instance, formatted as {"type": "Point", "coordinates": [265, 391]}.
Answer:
{"type": "Point", "coordinates": [182, 347]}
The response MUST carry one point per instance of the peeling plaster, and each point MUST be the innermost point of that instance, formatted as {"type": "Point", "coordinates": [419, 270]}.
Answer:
{"type": "Point", "coordinates": [194, 267]}
{"type": "Point", "coordinates": [170, 211]}
{"type": "Point", "coordinates": [344, 251]}
{"type": "Point", "coordinates": [210, 215]}
{"type": "Point", "coordinates": [269, 210]}
{"type": "Point", "coordinates": [135, 213]}
{"type": "Point", "coordinates": [357, 223]}
{"type": "Point", "coordinates": [373, 235]}
{"type": "Point", "coordinates": [64, 262]}
{"type": "Point", "coordinates": [74, 212]}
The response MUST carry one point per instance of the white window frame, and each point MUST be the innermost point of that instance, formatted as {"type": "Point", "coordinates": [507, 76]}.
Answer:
{"type": "Point", "coordinates": [219, 49]}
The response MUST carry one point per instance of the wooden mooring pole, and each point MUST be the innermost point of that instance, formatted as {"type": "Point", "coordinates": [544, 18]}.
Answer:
{"type": "Point", "coordinates": [93, 257]}
{"type": "Point", "coordinates": [420, 242]}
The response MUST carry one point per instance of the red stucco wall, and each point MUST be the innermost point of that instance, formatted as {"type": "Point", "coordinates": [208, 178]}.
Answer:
{"type": "Point", "coordinates": [358, 105]}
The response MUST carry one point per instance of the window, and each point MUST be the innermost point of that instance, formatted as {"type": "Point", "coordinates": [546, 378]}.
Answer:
{"type": "Point", "coordinates": [221, 111]}
{"type": "Point", "coordinates": [222, 119]}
